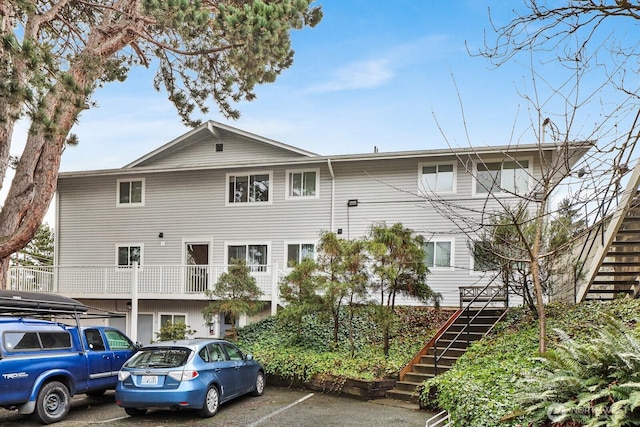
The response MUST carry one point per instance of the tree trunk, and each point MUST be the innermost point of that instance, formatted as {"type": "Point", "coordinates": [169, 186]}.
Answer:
{"type": "Point", "coordinates": [35, 179]}
{"type": "Point", "coordinates": [535, 272]}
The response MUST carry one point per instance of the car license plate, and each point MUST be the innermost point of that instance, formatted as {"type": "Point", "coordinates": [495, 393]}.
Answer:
{"type": "Point", "coordinates": [149, 380]}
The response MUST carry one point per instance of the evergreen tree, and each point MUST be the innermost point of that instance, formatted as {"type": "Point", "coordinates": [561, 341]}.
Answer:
{"type": "Point", "coordinates": [55, 55]}
{"type": "Point", "coordinates": [299, 291]}
{"type": "Point", "coordinates": [39, 250]}
{"type": "Point", "coordinates": [505, 246]}
{"type": "Point", "coordinates": [235, 293]}
{"type": "Point", "coordinates": [398, 255]}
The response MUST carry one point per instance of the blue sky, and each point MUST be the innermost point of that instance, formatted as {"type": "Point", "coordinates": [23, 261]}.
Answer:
{"type": "Point", "coordinates": [373, 73]}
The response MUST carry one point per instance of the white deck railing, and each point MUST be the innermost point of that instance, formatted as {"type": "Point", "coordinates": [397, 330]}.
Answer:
{"type": "Point", "coordinates": [153, 281]}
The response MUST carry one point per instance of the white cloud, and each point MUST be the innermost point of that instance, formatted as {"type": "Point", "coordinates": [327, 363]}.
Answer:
{"type": "Point", "coordinates": [358, 75]}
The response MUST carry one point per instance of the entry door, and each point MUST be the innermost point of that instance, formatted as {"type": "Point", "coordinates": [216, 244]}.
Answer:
{"type": "Point", "coordinates": [197, 259]}
{"type": "Point", "coordinates": [145, 328]}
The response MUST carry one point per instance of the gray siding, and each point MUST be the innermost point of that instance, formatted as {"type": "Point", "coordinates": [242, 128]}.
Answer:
{"type": "Point", "coordinates": [192, 205]}
{"type": "Point", "coordinates": [236, 149]}
{"type": "Point", "coordinates": [184, 205]}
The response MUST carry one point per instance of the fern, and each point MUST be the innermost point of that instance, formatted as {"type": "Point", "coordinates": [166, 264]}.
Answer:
{"type": "Point", "coordinates": [594, 384]}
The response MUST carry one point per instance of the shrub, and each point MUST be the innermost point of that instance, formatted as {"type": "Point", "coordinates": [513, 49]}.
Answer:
{"type": "Point", "coordinates": [173, 331]}
{"type": "Point", "coordinates": [483, 386]}
{"type": "Point", "coordinates": [593, 383]}
{"type": "Point", "coordinates": [294, 357]}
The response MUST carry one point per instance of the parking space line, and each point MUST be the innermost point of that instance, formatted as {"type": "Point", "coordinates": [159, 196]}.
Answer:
{"type": "Point", "coordinates": [266, 417]}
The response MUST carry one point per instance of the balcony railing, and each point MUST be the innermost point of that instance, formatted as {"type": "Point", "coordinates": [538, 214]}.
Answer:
{"type": "Point", "coordinates": [151, 281]}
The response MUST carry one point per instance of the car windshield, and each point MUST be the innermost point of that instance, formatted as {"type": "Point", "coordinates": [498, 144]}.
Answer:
{"type": "Point", "coordinates": [159, 358]}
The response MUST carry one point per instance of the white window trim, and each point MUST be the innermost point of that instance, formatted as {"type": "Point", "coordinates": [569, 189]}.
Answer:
{"type": "Point", "coordinates": [247, 243]}
{"type": "Point", "coordinates": [197, 241]}
{"type": "Point", "coordinates": [249, 173]}
{"type": "Point", "coordinates": [474, 191]}
{"type": "Point", "coordinates": [129, 205]}
{"type": "Point", "coordinates": [425, 191]}
{"type": "Point", "coordinates": [128, 245]}
{"type": "Point", "coordinates": [171, 313]}
{"type": "Point", "coordinates": [472, 264]}
{"type": "Point", "coordinates": [452, 261]}
{"type": "Point", "coordinates": [298, 242]}
{"type": "Point", "coordinates": [287, 183]}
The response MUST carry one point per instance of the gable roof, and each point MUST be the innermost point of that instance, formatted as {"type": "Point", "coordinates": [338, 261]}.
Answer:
{"type": "Point", "coordinates": [573, 151]}
{"type": "Point", "coordinates": [214, 129]}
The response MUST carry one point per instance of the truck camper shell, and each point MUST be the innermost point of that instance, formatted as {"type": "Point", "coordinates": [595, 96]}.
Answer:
{"type": "Point", "coordinates": [36, 304]}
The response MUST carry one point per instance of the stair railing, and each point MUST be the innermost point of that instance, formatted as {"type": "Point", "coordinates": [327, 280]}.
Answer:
{"type": "Point", "coordinates": [497, 291]}
{"type": "Point", "coordinates": [604, 214]}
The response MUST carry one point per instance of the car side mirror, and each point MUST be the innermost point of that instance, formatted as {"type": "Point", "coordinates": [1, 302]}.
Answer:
{"type": "Point", "coordinates": [249, 357]}
{"type": "Point", "coordinates": [138, 345]}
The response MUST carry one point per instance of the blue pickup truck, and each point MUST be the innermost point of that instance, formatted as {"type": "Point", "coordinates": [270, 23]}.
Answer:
{"type": "Point", "coordinates": [43, 363]}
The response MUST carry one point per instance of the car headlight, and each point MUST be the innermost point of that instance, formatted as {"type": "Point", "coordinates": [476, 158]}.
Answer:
{"type": "Point", "coordinates": [185, 375]}
{"type": "Point", "coordinates": [123, 375]}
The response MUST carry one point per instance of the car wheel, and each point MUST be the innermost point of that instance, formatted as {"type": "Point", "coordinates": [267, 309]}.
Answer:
{"type": "Point", "coordinates": [53, 403]}
{"type": "Point", "coordinates": [259, 385]}
{"type": "Point", "coordinates": [211, 403]}
{"type": "Point", "coordinates": [135, 412]}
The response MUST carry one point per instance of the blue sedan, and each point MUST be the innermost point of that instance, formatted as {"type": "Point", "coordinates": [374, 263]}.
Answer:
{"type": "Point", "coordinates": [198, 374]}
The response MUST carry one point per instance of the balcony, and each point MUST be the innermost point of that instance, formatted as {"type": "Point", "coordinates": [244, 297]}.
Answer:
{"type": "Point", "coordinates": [184, 282]}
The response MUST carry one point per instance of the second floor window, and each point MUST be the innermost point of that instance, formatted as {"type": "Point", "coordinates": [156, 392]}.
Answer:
{"type": "Point", "coordinates": [437, 178]}
{"type": "Point", "coordinates": [249, 188]}
{"type": "Point", "coordinates": [302, 183]}
{"type": "Point", "coordinates": [128, 254]}
{"type": "Point", "coordinates": [503, 177]}
{"type": "Point", "coordinates": [483, 257]}
{"type": "Point", "coordinates": [130, 192]}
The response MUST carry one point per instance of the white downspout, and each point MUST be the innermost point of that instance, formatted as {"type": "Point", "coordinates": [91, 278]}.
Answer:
{"type": "Point", "coordinates": [333, 194]}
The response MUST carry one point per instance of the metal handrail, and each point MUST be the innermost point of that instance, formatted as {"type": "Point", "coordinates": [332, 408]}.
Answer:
{"type": "Point", "coordinates": [466, 309]}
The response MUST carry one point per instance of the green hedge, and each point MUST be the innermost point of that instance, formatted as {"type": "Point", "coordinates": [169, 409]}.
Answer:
{"type": "Point", "coordinates": [299, 358]}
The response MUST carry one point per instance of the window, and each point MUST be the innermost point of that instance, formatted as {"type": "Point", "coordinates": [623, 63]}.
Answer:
{"type": "Point", "coordinates": [212, 353]}
{"type": "Point", "coordinates": [483, 258]}
{"type": "Point", "coordinates": [254, 255]}
{"type": "Point", "coordinates": [302, 183]}
{"type": "Point", "coordinates": [438, 178]}
{"type": "Point", "coordinates": [298, 251]}
{"type": "Point", "coordinates": [503, 177]}
{"type": "Point", "coordinates": [438, 254]}
{"type": "Point", "coordinates": [250, 188]}
{"type": "Point", "coordinates": [128, 254]}
{"type": "Point", "coordinates": [233, 352]}
{"type": "Point", "coordinates": [173, 319]}
{"type": "Point", "coordinates": [34, 341]}
{"type": "Point", "coordinates": [94, 340]}
{"type": "Point", "coordinates": [117, 340]}
{"type": "Point", "coordinates": [131, 192]}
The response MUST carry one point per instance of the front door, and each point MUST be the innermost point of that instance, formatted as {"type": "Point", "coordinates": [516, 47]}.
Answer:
{"type": "Point", "coordinates": [197, 259]}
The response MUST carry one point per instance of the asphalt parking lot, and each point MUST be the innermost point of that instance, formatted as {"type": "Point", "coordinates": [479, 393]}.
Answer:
{"type": "Point", "coordinates": [276, 408]}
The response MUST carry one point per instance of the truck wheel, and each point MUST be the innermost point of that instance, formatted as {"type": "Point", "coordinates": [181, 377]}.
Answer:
{"type": "Point", "coordinates": [135, 412]}
{"type": "Point", "coordinates": [53, 403]}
